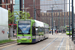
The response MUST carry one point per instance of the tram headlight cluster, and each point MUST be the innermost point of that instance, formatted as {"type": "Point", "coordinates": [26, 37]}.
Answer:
{"type": "Point", "coordinates": [29, 37]}
{"type": "Point", "coordinates": [67, 32]}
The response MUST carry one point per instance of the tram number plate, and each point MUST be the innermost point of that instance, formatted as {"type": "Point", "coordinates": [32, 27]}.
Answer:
{"type": "Point", "coordinates": [23, 37]}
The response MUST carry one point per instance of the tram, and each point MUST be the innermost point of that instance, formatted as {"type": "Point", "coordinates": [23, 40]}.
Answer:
{"type": "Point", "coordinates": [67, 30]}
{"type": "Point", "coordinates": [31, 31]}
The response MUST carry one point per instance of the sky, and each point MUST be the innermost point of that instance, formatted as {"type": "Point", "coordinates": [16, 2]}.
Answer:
{"type": "Point", "coordinates": [67, 4]}
{"type": "Point", "coordinates": [74, 6]}
{"type": "Point", "coordinates": [71, 6]}
{"type": "Point", "coordinates": [48, 5]}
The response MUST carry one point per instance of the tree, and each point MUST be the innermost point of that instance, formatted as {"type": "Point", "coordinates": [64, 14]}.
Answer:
{"type": "Point", "coordinates": [22, 15]}
{"type": "Point", "coordinates": [11, 17]}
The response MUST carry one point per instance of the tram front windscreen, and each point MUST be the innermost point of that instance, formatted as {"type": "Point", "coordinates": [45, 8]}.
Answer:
{"type": "Point", "coordinates": [68, 28]}
{"type": "Point", "coordinates": [24, 27]}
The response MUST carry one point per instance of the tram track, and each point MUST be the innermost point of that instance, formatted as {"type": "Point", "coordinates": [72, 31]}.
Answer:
{"type": "Point", "coordinates": [14, 47]}
{"type": "Point", "coordinates": [61, 42]}
{"type": "Point", "coordinates": [21, 47]}
{"type": "Point", "coordinates": [50, 43]}
{"type": "Point", "coordinates": [9, 47]}
{"type": "Point", "coordinates": [2, 45]}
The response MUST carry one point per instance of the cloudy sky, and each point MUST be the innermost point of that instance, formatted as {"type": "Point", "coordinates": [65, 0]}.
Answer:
{"type": "Point", "coordinates": [44, 8]}
{"type": "Point", "coordinates": [74, 6]}
{"type": "Point", "coordinates": [48, 5]}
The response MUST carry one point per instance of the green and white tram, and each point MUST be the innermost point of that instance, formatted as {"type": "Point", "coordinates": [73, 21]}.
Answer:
{"type": "Point", "coordinates": [67, 30]}
{"type": "Point", "coordinates": [31, 31]}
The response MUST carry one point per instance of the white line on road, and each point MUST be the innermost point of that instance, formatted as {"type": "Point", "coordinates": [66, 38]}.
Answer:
{"type": "Point", "coordinates": [49, 44]}
{"type": "Point", "coordinates": [9, 47]}
{"type": "Point", "coordinates": [60, 44]}
{"type": "Point", "coordinates": [21, 47]}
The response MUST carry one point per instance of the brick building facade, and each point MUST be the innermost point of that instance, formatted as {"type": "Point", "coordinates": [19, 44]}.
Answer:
{"type": "Point", "coordinates": [29, 4]}
{"type": "Point", "coordinates": [6, 4]}
{"type": "Point", "coordinates": [58, 17]}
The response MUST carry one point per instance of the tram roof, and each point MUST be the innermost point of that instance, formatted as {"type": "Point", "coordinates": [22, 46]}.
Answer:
{"type": "Point", "coordinates": [39, 23]}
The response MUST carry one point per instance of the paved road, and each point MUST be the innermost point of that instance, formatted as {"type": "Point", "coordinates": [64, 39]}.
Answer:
{"type": "Point", "coordinates": [54, 42]}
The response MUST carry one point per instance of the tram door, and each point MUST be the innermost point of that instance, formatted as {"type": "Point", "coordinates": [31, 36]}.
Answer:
{"type": "Point", "coordinates": [33, 31]}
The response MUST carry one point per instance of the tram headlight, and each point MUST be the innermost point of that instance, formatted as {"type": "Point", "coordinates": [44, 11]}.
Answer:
{"type": "Point", "coordinates": [67, 32]}
{"type": "Point", "coordinates": [29, 37]}
{"type": "Point", "coordinates": [18, 37]}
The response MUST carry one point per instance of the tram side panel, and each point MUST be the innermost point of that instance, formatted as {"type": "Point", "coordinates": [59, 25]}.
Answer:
{"type": "Point", "coordinates": [46, 31]}
{"type": "Point", "coordinates": [39, 30]}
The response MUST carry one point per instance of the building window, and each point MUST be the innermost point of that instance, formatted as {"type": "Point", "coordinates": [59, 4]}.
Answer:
{"type": "Point", "coordinates": [6, 1]}
{"type": "Point", "coordinates": [0, 3]}
{"type": "Point", "coordinates": [2, 0]}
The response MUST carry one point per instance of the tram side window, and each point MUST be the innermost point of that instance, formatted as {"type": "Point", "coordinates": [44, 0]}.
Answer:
{"type": "Point", "coordinates": [41, 30]}
{"type": "Point", "coordinates": [37, 31]}
{"type": "Point", "coordinates": [33, 31]}
{"type": "Point", "coordinates": [46, 30]}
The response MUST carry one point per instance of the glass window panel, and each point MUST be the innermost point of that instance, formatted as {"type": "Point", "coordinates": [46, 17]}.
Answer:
{"type": "Point", "coordinates": [2, 0]}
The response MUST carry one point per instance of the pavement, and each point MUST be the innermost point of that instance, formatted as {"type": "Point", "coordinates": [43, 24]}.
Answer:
{"type": "Point", "coordinates": [71, 44]}
{"type": "Point", "coordinates": [59, 41]}
{"type": "Point", "coordinates": [13, 38]}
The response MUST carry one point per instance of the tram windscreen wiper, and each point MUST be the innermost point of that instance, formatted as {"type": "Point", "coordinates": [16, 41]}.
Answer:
{"type": "Point", "coordinates": [23, 34]}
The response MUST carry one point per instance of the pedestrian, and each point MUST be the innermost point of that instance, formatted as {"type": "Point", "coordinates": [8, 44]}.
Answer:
{"type": "Point", "coordinates": [56, 31]}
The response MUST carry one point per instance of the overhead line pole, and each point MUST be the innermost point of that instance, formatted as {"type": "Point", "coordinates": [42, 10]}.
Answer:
{"type": "Point", "coordinates": [52, 20]}
{"type": "Point", "coordinates": [34, 9]}
{"type": "Point", "coordinates": [72, 21]}
{"type": "Point", "coordinates": [69, 18]}
{"type": "Point", "coordinates": [64, 13]}
{"type": "Point", "coordinates": [59, 19]}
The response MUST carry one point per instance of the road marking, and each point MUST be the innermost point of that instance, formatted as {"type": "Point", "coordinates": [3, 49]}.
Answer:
{"type": "Point", "coordinates": [22, 48]}
{"type": "Point", "coordinates": [67, 44]}
{"type": "Point", "coordinates": [60, 44]}
{"type": "Point", "coordinates": [9, 47]}
{"type": "Point", "coordinates": [49, 43]}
